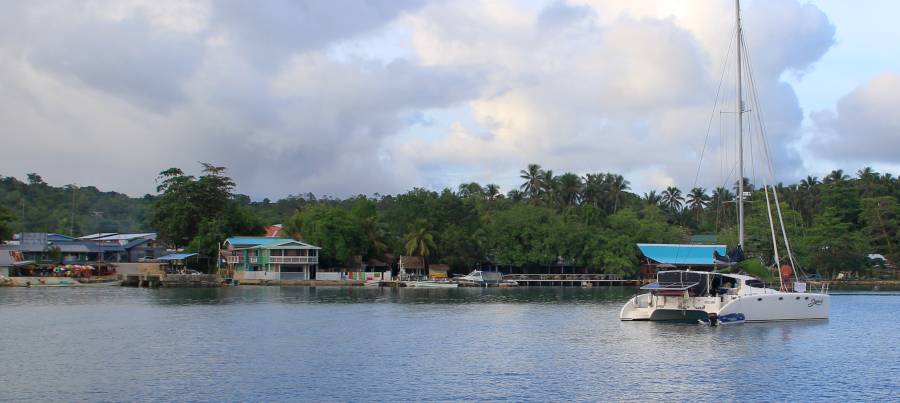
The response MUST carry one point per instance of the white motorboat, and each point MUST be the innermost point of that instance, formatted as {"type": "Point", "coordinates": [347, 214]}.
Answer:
{"type": "Point", "coordinates": [716, 297]}
{"type": "Point", "coordinates": [481, 278]}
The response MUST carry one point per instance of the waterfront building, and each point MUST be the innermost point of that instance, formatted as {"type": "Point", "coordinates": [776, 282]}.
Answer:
{"type": "Point", "coordinates": [49, 248]}
{"type": "Point", "coordinates": [265, 258]}
{"type": "Point", "coordinates": [412, 268]}
{"type": "Point", "coordinates": [438, 271]}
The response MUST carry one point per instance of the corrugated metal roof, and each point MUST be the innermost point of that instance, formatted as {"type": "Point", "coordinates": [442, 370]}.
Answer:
{"type": "Point", "coordinates": [254, 240]}
{"type": "Point", "coordinates": [680, 254]}
{"type": "Point", "coordinates": [264, 242]}
{"type": "Point", "coordinates": [177, 256]}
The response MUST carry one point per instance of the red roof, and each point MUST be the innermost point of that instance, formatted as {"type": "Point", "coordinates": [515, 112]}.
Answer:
{"type": "Point", "coordinates": [273, 231]}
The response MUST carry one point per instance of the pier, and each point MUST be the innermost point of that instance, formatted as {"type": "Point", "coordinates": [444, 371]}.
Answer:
{"type": "Point", "coordinates": [572, 280]}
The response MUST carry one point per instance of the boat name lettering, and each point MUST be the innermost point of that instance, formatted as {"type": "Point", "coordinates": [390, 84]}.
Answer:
{"type": "Point", "coordinates": [814, 301]}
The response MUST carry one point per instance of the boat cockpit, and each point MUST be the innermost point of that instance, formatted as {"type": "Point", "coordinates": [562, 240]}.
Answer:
{"type": "Point", "coordinates": [699, 284]}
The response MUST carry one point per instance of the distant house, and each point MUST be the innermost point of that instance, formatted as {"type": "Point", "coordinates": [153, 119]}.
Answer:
{"type": "Point", "coordinates": [438, 271]}
{"type": "Point", "coordinates": [412, 268]}
{"type": "Point", "coordinates": [276, 231]}
{"type": "Point", "coordinates": [676, 256]}
{"type": "Point", "coordinates": [264, 258]}
{"type": "Point", "coordinates": [9, 260]}
{"type": "Point", "coordinates": [49, 248]}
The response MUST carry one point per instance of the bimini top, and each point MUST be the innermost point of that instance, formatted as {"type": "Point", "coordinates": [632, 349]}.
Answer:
{"type": "Point", "coordinates": [680, 254]}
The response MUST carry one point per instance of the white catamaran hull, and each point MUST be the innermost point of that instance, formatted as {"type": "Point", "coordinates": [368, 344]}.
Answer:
{"type": "Point", "coordinates": [773, 306]}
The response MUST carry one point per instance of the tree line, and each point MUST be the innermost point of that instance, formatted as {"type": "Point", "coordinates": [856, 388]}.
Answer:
{"type": "Point", "coordinates": [585, 222]}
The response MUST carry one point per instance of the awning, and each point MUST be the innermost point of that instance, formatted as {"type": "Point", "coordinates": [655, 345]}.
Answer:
{"type": "Point", "coordinates": [681, 254]}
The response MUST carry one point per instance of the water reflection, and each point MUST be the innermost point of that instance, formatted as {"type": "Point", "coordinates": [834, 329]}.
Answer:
{"type": "Point", "coordinates": [356, 344]}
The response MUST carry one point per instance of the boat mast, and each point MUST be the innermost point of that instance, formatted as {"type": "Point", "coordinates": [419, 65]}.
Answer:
{"type": "Point", "coordinates": [740, 121]}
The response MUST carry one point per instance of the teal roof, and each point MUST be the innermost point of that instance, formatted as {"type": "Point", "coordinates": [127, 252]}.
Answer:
{"type": "Point", "coordinates": [680, 254]}
{"type": "Point", "coordinates": [254, 240]}
{"type": "Point", "coordinates": [266, 242]}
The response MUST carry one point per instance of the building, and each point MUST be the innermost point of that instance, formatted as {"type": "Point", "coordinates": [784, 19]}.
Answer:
{"type": "Point", "coordinates": [276, 231]}
{"type": "Point", "coordinates": [10, 260]}
{"type": "Point", "coordinates": [438, 271]}
{"type": "Point", "coordinates": [49, 248]}
{"type": "Point", "coordinates": [676, 256]}
{"type": "Point", "coordinates": [412, 268]}
{"type": "Point", "coordinates": [264, 258]}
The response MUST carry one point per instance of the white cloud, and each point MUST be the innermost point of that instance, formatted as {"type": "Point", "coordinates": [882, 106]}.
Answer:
{"type": "Point", "coordinates": [283, 94]}
{"type": "Point", "coordinates": [864, 129]}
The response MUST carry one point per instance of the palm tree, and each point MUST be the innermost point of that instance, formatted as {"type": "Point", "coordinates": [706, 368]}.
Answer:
{"type": "Point", "coordinates": [532, 185]}
{"type": "Point", "coordinates": [376, 238]}
{"type": "Point", "coordinates": [515, 195]}
{"type": "Point", "coordinates": [697, 200]}
{"type": "Point", "coordinates": [492, 191]}
{"type": "Point", "coordinates": [470, 189]}
{"type": "Point", "coordinates": [672, 198]}
{"type": "Point", "coordinates": [419, 241]}
{"type": "Point", "coordinates": [835, 176]}
{"type": "Point", "coordinates": [593, 191]}
{"type": "Point", "coordinates": [868, 177]}
{"type": "Point", "coordinates": [652, 198]}
{"type": "Point", "coordinates": [809, 183]}
{"type": "Point", "coordinates": [720, 197]}
{"type": "Point", "coordinates": [570, 188]}
{"type": "Point", "coordinates": [549, 185]}
{"type": "Point", "coordinates": [617, 186]}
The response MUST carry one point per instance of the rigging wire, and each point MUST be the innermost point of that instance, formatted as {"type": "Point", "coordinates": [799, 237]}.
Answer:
{"type": "Point", "coordinates": [713, 113]}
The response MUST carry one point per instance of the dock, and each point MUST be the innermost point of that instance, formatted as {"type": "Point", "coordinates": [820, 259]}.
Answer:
{"type": "Point", "coordinates": [572, 280]}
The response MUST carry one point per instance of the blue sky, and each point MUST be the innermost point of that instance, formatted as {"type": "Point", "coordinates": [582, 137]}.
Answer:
{"type": "Point", "coordinates": [347, 97]}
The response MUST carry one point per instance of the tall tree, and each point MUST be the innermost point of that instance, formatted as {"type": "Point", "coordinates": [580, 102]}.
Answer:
{"type": "Point", "coordinates": [200, 212]}
{"type": "Point", "coordinates": [569, 189]}
{"type": "Point", "coordinates": [419, 240]}
{"type": "Point", "coordinates": [697, 199]}
{"type": "Point", "coordinates": [672, 198]}
{"type": "Point", "coordinates": [652, 198]}
{"type": "Point", "coordinates": [6, 228]}
{"type": "Point", "coordinates": [532, 184]}
{"type": "Point", "coordinates": [836, 176]}
{"type": "Point", "coordinates": [617, 188]}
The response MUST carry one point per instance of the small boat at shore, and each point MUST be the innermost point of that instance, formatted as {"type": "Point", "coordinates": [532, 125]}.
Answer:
{"type": "Point", "coordinates": [431, 284]}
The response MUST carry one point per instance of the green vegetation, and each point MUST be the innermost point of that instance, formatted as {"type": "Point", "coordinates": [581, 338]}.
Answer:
{"type": "Point", "coordinates": [588, 222]}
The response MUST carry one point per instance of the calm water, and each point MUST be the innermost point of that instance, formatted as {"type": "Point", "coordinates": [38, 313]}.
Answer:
{"type": "Point", "coordinates": [274, 344]}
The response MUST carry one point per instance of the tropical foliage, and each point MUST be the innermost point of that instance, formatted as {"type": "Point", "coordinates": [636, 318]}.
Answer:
{"type": "Point", "coordinates": [564, 221]}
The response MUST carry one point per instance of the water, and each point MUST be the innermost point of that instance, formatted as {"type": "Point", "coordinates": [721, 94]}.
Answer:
{"type": "Point", "coordinates": [360, 344]}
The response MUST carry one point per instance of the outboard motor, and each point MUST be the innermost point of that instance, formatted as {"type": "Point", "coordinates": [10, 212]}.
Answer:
{"type": "Point", "coordinates": [713, 319]}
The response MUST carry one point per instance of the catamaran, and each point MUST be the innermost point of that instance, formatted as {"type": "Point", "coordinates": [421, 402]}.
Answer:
{"type": "Point", "coordinates": [719, 297]}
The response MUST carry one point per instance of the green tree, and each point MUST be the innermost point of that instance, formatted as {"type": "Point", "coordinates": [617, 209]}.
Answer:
{"type": "Point", "coordinates": [340, 235]}
{"type": "Point", "coordinates": [419, 241]}
{"type": "Point", "coordinates": [200, 212]}
{"type": "Point", "coordinates": [831, 246]}
{"type": "Point", "coordinates": [6, 224]}
{"type": "Point", "coordinates": [532, 185]}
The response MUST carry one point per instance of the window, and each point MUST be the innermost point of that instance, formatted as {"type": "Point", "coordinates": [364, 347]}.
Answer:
{"type": "Point", "coordinates": [755, 283]}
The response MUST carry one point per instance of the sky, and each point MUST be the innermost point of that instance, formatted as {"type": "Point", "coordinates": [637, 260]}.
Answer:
{"type": "Point", "coordinates": [349, 97]}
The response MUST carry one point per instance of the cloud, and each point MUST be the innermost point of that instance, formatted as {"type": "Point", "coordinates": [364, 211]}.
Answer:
{"type": "Point", "coordinates": [280, 92]}
{"type": "Point", "coordinates": [865, 128]}
{"type": "Point", "coordinates": [606, 86]}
